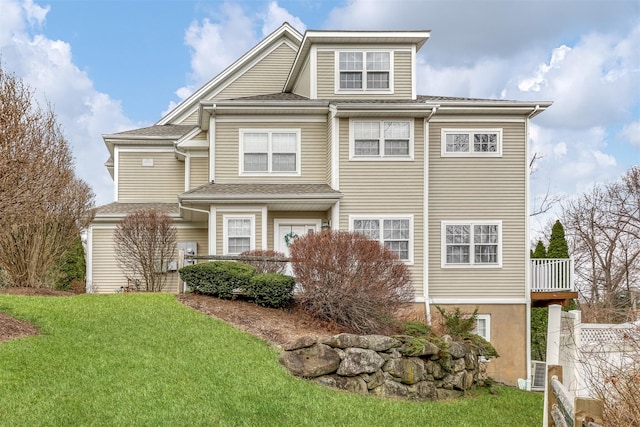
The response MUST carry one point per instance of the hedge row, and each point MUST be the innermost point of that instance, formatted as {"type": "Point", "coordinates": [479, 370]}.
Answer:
{"type": "Point", "coordinates": [224, 279]}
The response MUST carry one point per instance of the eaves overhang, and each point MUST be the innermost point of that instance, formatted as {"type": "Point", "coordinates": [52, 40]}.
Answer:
{"type": "Point", "coordinates": [240, 107]}
{"type": "Point", "coordinates": [348, 109]}
{"type": "Point", "coordinates": [530, 109]}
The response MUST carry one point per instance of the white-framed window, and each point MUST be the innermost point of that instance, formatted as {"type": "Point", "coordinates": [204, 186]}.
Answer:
{"type": "Point", "coordinates": [471, 142]}
{"type": "Point", "coordinates": [238, 234]}
{"type": "Point", "coordinates": [364, 71]}
{"type": "Point", "coordinates": [394, 232]}
{"type": "Point", "coordinates": [483, 326]}
{"type": "Point", "coordinates": [381, 139]}
{"type": "Point", "coordinates": [269, 151]}
{"type": "Point", "coordinates": [471, 244]}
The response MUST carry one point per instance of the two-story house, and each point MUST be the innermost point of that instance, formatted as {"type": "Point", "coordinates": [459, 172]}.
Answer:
{"type": "Point", "coordinates": [326, 130]}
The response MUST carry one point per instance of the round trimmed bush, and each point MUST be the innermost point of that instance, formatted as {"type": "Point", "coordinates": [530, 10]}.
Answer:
{"type": "Point", "coordinates": [270, 289]}
{"type": "Point", "coordinates": [217, 278]}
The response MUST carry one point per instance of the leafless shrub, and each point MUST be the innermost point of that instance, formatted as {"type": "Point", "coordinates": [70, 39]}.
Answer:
{"type": "Point", "coordinates": [145, 242]}
{"type": "Point", "coordinates": [350, 280]}
{"type": "Point", "coordinates": [266, 266]}
{"type": "Point", "coordinates": [42, 204]}
{"type": "Point", "coordinates": [612, 374]}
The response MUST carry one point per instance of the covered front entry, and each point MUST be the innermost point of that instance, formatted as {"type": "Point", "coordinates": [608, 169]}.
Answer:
{"type": "Point", "coordinates": [286, 231]}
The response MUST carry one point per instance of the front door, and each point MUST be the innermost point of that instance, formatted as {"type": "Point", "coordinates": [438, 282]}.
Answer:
{"type": "Point", "coordinates": [287, 231]}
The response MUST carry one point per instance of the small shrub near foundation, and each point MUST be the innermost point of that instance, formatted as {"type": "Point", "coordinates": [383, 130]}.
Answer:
{"type": "Point", "coordinates": [270, 289]}
{"type": "Point", "coordinates": [218, 278]}
{"type": "Point", "coordinates": [264, 266]}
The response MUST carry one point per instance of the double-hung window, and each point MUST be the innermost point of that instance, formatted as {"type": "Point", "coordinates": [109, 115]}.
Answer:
{"type": "Point", "coordinates": [239, 234]}
{"type": "Point", "coordinates": [270, 151]}
{"type": "Point", "coordinates": [472, 142]}
{"type": "Point", "coordinates": [381, 139]}
{"type": "Point", "coordinates": [364, 71]}
{"type": "Point", "coordinates": [472, 244]}
{"type": "Point", "coordinates": [483, 326]}
{"type": "Point", "coordinates": [395, 233]}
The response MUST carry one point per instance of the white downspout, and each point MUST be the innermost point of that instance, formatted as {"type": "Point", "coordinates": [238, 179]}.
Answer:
{"type": "Point", "coordinates": [527, 269]}
{"type": "Point", "coordinates": [425, 231]}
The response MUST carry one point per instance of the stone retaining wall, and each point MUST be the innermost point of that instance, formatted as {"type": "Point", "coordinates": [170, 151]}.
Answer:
{"type": "Point", "coordinates": [398, 366]}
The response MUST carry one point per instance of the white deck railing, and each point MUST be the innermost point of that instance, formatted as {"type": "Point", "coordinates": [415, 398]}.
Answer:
{"type": "Point", "coordinates": [552, 275]}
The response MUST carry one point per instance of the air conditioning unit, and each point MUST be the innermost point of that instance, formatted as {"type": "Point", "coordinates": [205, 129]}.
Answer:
{"type": "Point", "coordinates": [539, 375]}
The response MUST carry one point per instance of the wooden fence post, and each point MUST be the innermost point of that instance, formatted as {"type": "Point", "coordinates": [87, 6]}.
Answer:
{"type": "Point", "coordinates": [588, 410]}
{"type": "Point", "coordinates": [552, 370]}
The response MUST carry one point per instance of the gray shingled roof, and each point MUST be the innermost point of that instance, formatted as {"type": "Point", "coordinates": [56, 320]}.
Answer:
{"type": "Point", "coordinates": [159, 131]}
{"type": "Point", "coordinates": [261, 191]}
{"type": "Point", "coordinates": [420, 99]}
{"type": "Point", "coordinates": [118, 208]}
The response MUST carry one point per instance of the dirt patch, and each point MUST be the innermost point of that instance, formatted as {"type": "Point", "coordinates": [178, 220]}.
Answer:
{"type": "Point", "coordinates": [276, 326]}
{"type": "Point", "coordinates": [11, 328]}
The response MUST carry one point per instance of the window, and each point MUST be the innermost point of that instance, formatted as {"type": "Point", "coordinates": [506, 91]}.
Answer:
{"type": "Point", "coordinates": [396, 233]}
{"type": "Point", "coordinates": [475, 142]}
{"type": "Point", "coordinates": [238, 234]}
{"type": "Point", "coordinates": [381, 139]}
{"type": "Point", "coordinates": [471, 244]}
{"type": "Point", "coordinates": [483, 326]}
{"type": "Point", "coordinates": [359, 70]}
{"type": "Point", "coordinates": [269, 151]}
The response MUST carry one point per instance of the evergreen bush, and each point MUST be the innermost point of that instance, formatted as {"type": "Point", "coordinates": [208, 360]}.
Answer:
{"type": "Point", "coordinates": [217, 278]}
{"type": "Point", "coordinates": [270, 289]}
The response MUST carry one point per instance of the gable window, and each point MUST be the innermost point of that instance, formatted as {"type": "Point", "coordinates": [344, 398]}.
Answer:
{"type": "Point", "coordinates": [266, 151]}
{"type": "Point", "coordinates": [364, 71]}
{"type": "Point", "coordinates": [472, 142]}
{"type": "Point", "coordinates": [381, 139]}
{"type": "Point", "coordinates": [238, 234]}
{"type": "Point", "coordinates": [472, 244]}
{"type": "Point", "coordinates": [395, 233]}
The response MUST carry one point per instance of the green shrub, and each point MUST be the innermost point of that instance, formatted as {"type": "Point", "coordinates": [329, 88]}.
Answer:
{"type": "Point", "coordinates": [264, 265]}
{"type": "Point", "coordinates": [217, 278]}
{"type": "Point", "coordinates": [270, 289]}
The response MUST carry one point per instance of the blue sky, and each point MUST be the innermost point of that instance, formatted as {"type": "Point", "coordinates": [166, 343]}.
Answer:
{"type": "Point", "coordinates": [108, 66]}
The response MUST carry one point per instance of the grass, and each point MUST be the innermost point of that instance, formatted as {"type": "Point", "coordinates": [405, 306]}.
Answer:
{"type": "Point", "coordinates": [146, 360]}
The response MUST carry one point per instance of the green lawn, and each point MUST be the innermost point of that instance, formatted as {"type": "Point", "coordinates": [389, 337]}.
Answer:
{"type": "Point", "coordinates": [144, 359]}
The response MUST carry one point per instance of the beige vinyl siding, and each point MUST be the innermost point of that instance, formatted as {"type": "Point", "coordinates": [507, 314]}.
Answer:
{"type": "Point", "coordinates": [257, 214]}
{"type": "Point", "coordinates": [161, 182]}
{"type": "Point", "coordinates": [476, 188]}
{"type": "Point", "coordinates": [106, 276]}
{"type": "Point", "coordinates": [313, 152]}
{"type": "Point", "coordinates": [199, 173]}
{"type": "Point", "coordinates": [191, 119]}
{"type": "Point", "coordinates": [303, 83]}
{"type": "Point", "coordinates": [284, 215]}
{"type": "Point", "coordinates": [266, 76]}
{"type": "Point", "coordinates": [401, 77]}
{"type": "Point", "coordinates": [386, 188]}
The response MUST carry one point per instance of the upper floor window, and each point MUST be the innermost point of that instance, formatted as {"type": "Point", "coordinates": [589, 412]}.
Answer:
{"type": "Point", "coordinates": [270, 151]}
{"type": "Point", "coordinates": [381, 140]}
{"type": "Point", "coordinates": [472, 142]}
{"type": "Point", "coordinates": [395, 233]}
{"type": "Point", "coordinates": [364, 71]}
{"type": "Point", "coordinates": [472, 244]}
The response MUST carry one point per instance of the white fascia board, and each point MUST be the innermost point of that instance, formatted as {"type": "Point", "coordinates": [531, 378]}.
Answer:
{"type": "Point", "coordinates": [237, 65]}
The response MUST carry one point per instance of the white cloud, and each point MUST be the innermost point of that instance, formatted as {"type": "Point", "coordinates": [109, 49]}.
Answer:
{"type": "Point", "coordinates": [533, 83]}
{"type": "Point", "coordinates": [276, 15]}
{"type": "Point", "coordinates": [47, 66]}
{"type": "Point", "coordinates": [631, 133]}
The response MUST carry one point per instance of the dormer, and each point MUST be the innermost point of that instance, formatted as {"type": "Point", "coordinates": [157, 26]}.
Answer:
{"type": "Point", "coordinates": [356, 65]}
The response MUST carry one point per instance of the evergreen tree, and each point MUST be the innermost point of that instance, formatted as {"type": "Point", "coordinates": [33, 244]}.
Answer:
{"type": "Point", "coordinates": [558, 247]}
{"type": "Point", "coordinates": [540, 251]}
